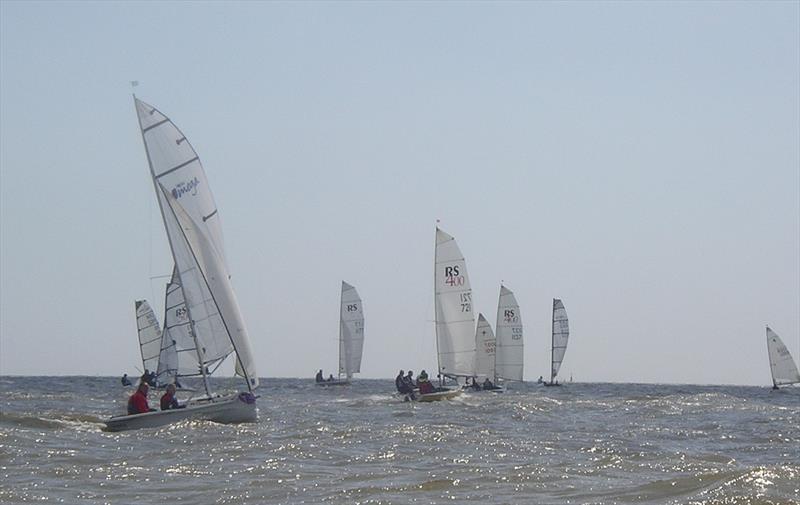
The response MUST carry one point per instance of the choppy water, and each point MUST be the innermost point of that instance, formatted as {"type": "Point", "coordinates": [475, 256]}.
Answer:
{"type": "Point", "coordinates": [579, 443]}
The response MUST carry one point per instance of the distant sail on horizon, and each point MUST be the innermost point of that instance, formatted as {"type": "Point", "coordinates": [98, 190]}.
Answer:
{"type": "Point", "coordinates": [560, 337]}
{"type": "Point", "coordinates": [781, 365]}
{"type": "Point", "coordinates": [509, 355]}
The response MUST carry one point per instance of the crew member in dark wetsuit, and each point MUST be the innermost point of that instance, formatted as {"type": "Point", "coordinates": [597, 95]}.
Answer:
{"type": "Point", "coordinates": [319, 376]}
{"type": "Point", "coordinates": [398, 383]}
{"type": "Point", "coordinates": [125, 380]}
{"type": "Point", "coordinates": [137, 403]}
{"type": "Point", "coordinates": [168, 400]}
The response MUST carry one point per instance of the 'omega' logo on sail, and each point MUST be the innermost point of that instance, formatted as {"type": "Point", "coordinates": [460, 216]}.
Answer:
{"type": "Point", "coordinates": [186, 187]}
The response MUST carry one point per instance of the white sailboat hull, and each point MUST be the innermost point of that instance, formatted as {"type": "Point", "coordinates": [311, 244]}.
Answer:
{"type": "Point", "coordinates": [233, 409]}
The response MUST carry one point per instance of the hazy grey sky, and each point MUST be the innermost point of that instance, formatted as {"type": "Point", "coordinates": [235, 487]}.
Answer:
{"type": "Point", "coordinates": [639, 160]}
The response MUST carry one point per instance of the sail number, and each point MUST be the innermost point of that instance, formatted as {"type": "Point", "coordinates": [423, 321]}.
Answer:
{"type": "Point", "coordinates": [466, 301]}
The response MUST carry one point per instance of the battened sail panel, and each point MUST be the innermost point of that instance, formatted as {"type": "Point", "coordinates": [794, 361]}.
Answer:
{"type": "Point", "coordinates": [560, 336]}
{"type": "Point", "coordinates": [783, 367]}
{"type": "Point", "coordinates": [351, 331]}
{"type": "Point", "coordinates": [209, 270]}
{"type": "Point", "coordinates": [149, 334]}
{"type": "Point", "coordinates": [485, 349]}
{"type": "Point", "coordinates": [179, 357]}
{"type": "Point", "coordinates": [509, 352]}
{"type": "Point", "coordinates": [455, 320]}
{"type": "Point", "coordinates": [183, 193]}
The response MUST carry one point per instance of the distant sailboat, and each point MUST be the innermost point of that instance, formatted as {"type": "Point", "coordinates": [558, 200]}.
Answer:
{"type": "Point", "coordinates": [783, 368]}
{"type": "Point", "coordinates": [351, 336]}
{"type": "Point", "coordinates": [508, 354]}
{"type": "Point", "coordinates": [213, 320]}
{"type": "Point", "coordinates": [149, 335]}
{"type": "Point", "coordinates": [560, 337]}
{"type": "Point", "coordinates": [485, 344]}
{"type": "Point", "coordinates": [455, 320]}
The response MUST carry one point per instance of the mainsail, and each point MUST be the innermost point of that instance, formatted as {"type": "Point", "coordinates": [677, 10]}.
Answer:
{"type": "Point", "coordinates": [508, 355]}
{"type": "Point", "coordinates": [351, 331]}
{"type": "Point", "coordinates": [149, 335]}
{"type": "Point", "coordinates": [455, 320]}
{"type": "Point", "coordinates": [783, 368]}
{"type": "Point", "coordinates": [560, 337]}
{"type": "Point", "coordinates": [195, 236]}
{"type": "Point", "coordinates": [178, 356]}
{"type": "Point", "coordinates": [485, 350]}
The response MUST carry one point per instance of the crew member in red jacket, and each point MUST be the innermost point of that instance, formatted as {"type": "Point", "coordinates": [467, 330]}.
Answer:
{"type": "Point", "coordinates": [137, 403]}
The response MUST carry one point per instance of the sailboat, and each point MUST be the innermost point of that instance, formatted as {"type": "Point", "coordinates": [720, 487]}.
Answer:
{"type": "Point", "coordinates": [209, 309]}
{"type": "Point", "coordinates": [485, 356]}
{"type": "Point", "coordinates": [351, 336]}
{"type": "Point", "coordinates": [560, 339]}
{"type": "Point", "coordinates": [508, 354]}
{"type": "Point", "coordinates": [455, 320]}
{"type": "Point", "coordinates": [783, 368]}
{"type": "Point", "coordinates": [149, 335]}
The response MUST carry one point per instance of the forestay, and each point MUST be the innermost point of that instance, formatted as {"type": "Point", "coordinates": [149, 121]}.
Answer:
{"type": "Point", "coordinates": [485, 350]}
{"type": "Point", "coordinates": [455, 320]}
{"type": "Point", "coordinates": [783, 367]}
{"type": "Point", "coordinates": [560, 336]}
{"type": "Point", "coordinates": [351, 331]}
{"type": "Point", "coordinates": [195, 235]}
{"type": "Point", "coordinates": [149, 334]}
{"type": "Point", "coordinates": [509, 351]}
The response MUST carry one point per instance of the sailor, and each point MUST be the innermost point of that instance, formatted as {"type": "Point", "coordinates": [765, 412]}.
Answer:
{"type": "Point", "coordinates": [423, 376]}
{"type": "Point", "coordinates": [398, 382]}
{"type": "Point", "coordinates": [408, 380]}
{"type": "Point", "coordinates": [425, 385]}
{"type": "Point", "coordinates": [137, 403]}
{"type": "Point", "coordinates": [487, 384]}
{"type": "Point", "coordinates": [541, 379]}
{"type": "Point", "coordinates": [319, 378]}
{"type": "Point", "coordinates": [330, 378]}
{"type": "Point", "coordinates": [125, 380]}
{"type": "Point", "coordinates": [168, 400]}
{"type": "Point", "coordinates": [475, 384]}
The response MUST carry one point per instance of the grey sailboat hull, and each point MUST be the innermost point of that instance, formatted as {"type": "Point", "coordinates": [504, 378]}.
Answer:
{"type": "Point", "coordinates": [233, 409]}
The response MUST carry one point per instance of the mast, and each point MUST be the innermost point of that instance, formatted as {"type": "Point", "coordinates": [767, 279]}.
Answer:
{"type": "Point", "coordinates": [171, 246]}
{"type": "Point", "coordinates": [552, 342]}
{"type": "Point", "coordinates": [435, 310]}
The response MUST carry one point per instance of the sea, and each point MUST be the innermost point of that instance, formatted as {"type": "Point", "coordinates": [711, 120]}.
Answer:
{"type": "Point", "coordinates": [573, 444]}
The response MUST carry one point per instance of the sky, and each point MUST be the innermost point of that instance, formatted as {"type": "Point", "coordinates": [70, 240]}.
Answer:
{"type": "Point", "coordinates": [638, 160]}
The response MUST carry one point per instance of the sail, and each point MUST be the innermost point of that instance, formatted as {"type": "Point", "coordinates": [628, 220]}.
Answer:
{"type": "Point", "coordinates": [210, 268]}
{"type": "Point", "coordinates": [485, 349]}
{"type": "Point", "coordinates": [351, 331]}
{"type": "Point", "coordinates": [455, 320]}
{"type": "Point", "coordinates": [149, 334]}
{"type": "Point", "coordinates": [509, 355]}
{"type": "Point", "coordinates": [783, 367]}
{"type": "Point", "coordinates": [195, 235]}
{"type": "Point", "coordinates": [560, 336]}
{"type": "Point", "coordinates": [178, 356]}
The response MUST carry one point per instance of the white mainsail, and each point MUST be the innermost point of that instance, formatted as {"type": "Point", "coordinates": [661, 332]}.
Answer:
{"type": "Point", "coordinates": [485, 350]}
{"type": "Point", "coordinates": [509, 355]}
{"type": "Point", "coordinates": [149, 335]}
{"type": "Point", "coordinates": [195, 236]}
{"type": "Point", "coordinates": [455, 320]}
{"type": "Point", "coordinates": [783, 368]}
{"type": "Point", "coordinates": [351, 331]}
{"type": "Point", "coordinates": [560, 337]}
{"type": "Point", "coordinates": [178, 356]}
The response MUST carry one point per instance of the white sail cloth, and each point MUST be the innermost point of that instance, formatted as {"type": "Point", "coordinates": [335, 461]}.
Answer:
{"type": "Point", "coordinates": [351, 331]}
{"type": "Point", "coordinates": [195, 235]}
{"type": "Point", "coordinates": [485, 350]}
{"type": "Point", "coordinates": [455, 320]}
{"type": "Point", "coordinates": [783, 368]}
{"type": "Point", "coordinates": [509, 352]}
{"type": "Point", "coordinates": [149, 335]}
{"type": "Point", "coordinates": [560, 336]}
